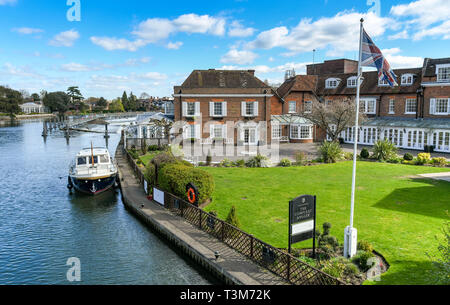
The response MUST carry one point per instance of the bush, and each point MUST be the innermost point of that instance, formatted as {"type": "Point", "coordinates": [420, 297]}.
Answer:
{"type": "Point", "coordinates": [153, 148]}
{"type": "Point", "coordinates": [285, 162]}
{"type": "Point", "coordinates": [208, 160]}
{"type": "Point", "coordinates": [348, 156]}
{"type": "Point", "coordinates": [361, 260]}
{"type": "Point", "coordinates": [330, 151]}
{"type": "Point", "coordinates": [384, 150]}
{"type": "Point", "coordinates": [300, 158]}
{"type": "Point", "coordinates": [133, 153]}
{"type": "Point", "coordinates": [232, 218]}
{"type": "Point", "coordinates": [365, 153]}
{"type": "Point", "coordinates": [440, 162]}
{"type": "Point", "coordinates": [334, 268]}
{"type": "Point", "coordinates": [239, 163]}
{"type": "Point", "coordinates": [408, 157]}
{"type": "Point", "coordinates": [150, 173]}
{"type": "Point", "coordinates": [365, 246]}
{"type": "Point", "coordinates": [423, 158]}
{"type": "Point", "coordinates": [394, 160]}
{"type": "Point", "coordinates": [173, 178]}
{"type": "Point", "coordinates": [164, 158]}
{"type": "Point", "coordinates": [226, 163]}
{"type": "Point", "coordinates": [258, 161]}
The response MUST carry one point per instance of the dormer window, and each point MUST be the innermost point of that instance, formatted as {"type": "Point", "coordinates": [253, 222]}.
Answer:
{"type": "Point", "coordinates": [332, 83]}
{"type": "Point", "coordinates": [352, 81]}
{"type": "Point", "coordinates": [383, 82]}
{"type": "Point", "coordinates": [443, 73]}
{"type": "Point", "coordinates": [407, 79]}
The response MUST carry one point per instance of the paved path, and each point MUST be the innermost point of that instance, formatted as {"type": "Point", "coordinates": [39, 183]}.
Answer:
{"type": "Point", "coordinates": [232, 263]}
{"type": "Point", "coordinates": [437, 176]}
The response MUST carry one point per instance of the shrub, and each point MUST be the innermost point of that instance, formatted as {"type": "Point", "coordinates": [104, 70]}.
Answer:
{"type": "Point", "coordinates": [365, 246]}
{"type": "Point", "coordinates": [133, 153]}
{"type": "Point", "coordinates": [441, 162]}
{"type": "Point", "coordinates": [384, 150]}
{"type": "Point", "coordinates": [365, 153]}
{"type": "Point", "coordinates": [285, 162]}
{"type": "Point", "coordinates": [361, 260]}
{"type": "Point", "coordinates": [208, 160]}
{"type": "Point", "coordinates": [173, 178]}
{"type": "Point", "coordinates": [139, 162]}
{"type": "Point", "coordinates": [164, 158]}
{"type": "Point", "coordinates": [348, 156]}
{"type": "Point", "coordinates": [423, 158]}
{"type": "Point", "coordinates": [394, 160]}
{"type": "Point", "coordinates": [153, 148]}
{"type": "Point", "coordinates": [310, 261]}
{"type": "Point", "coordinates": [239, 163]}
{"type": "Point", "coordinates": [226, 163]}
{"type": "Point", "coordinates": [330, 151]}
{"type": "Point", "coordinates": [408, 157]}
{"type": "Point", "coordinates": [258, 161]}
{"type": "Point", "coordinates": [232, 218]}
{"type": "Point", "coordinates": [150, 173]}
{"type": "Point", "coordinates": [300, 158]}
{"type": "Point", "coordinates": [334, 268]}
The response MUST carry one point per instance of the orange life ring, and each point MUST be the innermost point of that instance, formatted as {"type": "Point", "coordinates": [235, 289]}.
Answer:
{"type": "Point", "coordinates": [191, 195]}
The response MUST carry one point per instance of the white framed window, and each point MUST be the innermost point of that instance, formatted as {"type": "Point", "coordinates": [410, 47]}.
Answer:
{"type": "Point", "coordinates": [443, 73]}
{"type": "Point", "coordinates": [391, 106]}
{"type": "Point", "coordinates": [351, 82]}
{"type": "Point", "coordinates": [332, 83]}
{"type": "Point", "coordinates": [191, 109]}
{"type": "Point", "coordinates": [383, 82]}
{"type": "Point", "coordinates": [308, 106]}
{"type": "Point", "coordinates": [292, 106]}
{"type": "Point", "coordinates": [276, 131]}
{"type": "Point", "coordinates": [192, 131]}
{"type": "Point", "coordinates": [407, 79]}
{"type": "Point", "coordinates": [301, 132]}
{"type": "Point", "coordinates": [218, 131]}
{"type": "Point", "coordinates": [218, 109]}
{"type": "Point", "coordinates": [368, 105]}
{"type": "Point", "coordinates": [440, 106]}
{"type": "Point", "coordinates": [249, 109]}
{"type": "Point", "coordinates": [410, 106]}
{"type": "Point", "coordinates": [249, 135]}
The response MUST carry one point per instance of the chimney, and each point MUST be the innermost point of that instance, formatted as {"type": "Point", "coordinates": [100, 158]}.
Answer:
{"type": "Point", "coordinates": [252, 72]}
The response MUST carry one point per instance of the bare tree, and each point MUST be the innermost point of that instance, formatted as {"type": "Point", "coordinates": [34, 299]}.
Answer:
{"type": "Point", "coordinates": [333, 117]}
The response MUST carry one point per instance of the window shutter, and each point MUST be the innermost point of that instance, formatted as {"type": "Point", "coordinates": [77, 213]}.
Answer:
{"type": "Point", "coordinates": [255, 109]}
{"type": "Point", "coordinates": [211, 131]}
{"type": "Point", "coordinates": [448, 106]}
{"type": "Point", "coordinates": [184, 106]}
{"type": "Point", "coordinates": [211, 108]}
{"type": "Point", "coordinates": [197, 108]}
{"type": "Point", "coordinates": [243, 109]}
{"type": "Point", "coordinates": [224, 131]}
{"type": "Point", "coordinates": [432, 106]}
{"type": "Point", "coordinates": [197, 131]}
{"type": "Point", "coordinates": [185, 131]}
{"type": "Point", "coordinates": [224, 108]}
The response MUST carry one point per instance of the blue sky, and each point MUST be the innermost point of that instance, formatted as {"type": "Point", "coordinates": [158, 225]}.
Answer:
{"type": "Point", "coordinates": [150, 46]}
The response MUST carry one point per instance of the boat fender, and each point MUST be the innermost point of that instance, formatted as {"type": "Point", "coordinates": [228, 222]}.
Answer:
{"type": "Point", "coordinates": [69, 183]}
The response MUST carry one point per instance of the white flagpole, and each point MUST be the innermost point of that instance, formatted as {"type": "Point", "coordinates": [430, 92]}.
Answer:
{"type": "Point", "coordinates": [350, 232]}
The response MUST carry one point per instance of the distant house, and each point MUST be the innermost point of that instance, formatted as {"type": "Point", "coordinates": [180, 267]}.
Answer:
{"type": "Point", "coordinates": [32, 108]}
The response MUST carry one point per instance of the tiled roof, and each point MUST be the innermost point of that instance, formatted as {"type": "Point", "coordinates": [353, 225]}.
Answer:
{"type": "Point", "coordinates": [298, 83]}
{"type": "Point", "coordinates": [223, 79]}
{"type": "Point", "coordinates": [430, 65]}
{"type": "Point", "coordinates": [430, 123]}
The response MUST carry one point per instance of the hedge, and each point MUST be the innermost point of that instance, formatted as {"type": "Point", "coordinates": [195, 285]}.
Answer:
{"type": "Point", "coordinates": [173, 178]}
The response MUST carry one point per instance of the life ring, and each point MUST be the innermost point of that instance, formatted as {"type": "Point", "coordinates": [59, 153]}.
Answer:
{"type": "Point", "coordinates": [192, 194]}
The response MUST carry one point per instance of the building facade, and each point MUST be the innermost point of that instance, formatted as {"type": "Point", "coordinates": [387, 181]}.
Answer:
{"type": "Point", "coordinates": [32, 108]}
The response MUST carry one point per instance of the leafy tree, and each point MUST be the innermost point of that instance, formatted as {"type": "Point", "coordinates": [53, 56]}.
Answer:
{"type": "Point", "coordinates": [132, 102]}
{"type": "Point", "coordinates": [125, 101]}
{"type": "Point", "coordinates": [35, 97]}
{"type": "Point", "coordinates": [102, 103]}
{"type": "Point", "coordinates": [76, 98]}
{"type": "Point", "coordinates": [10, 100]}
{"type": "Point", "coordinates": [232, 218]}
{"type": "Point", "coordinates": [116, 106]}
{"type": "Point", "coordinates": [57, 101]}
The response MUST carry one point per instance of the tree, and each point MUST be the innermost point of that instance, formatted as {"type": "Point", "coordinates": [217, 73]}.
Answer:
{"type": "Point", "coordinates": [132, 102]}
{"type": "Point", "coordinates": [441, 260]}
{"type": "Point", "coordinates": [144, 96]}
{"type": "Point", "coordinates": [10, 100]}
{"type": "Point", "coordinates": [125, 100]}
{"type": "Point", "coordinates": [57, 101]}
{"type": "Point", "coordinates": [102, 103]}
{"type": "Point", "coordinates": [116, 106]}
{"type": "Point", "coordinates": [35, 97]}
{"type": "Point", "coordinates": [75, 98]}
{"type": "Point", "coordinates": [232, 218]}
{"type": "Point", "coordinates": [333, 117]}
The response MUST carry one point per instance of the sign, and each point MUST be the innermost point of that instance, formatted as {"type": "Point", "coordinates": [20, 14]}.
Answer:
{"type": "Point", "coordinates": [302, 220]}
{"type": "Point", "coordinates": [158, 196]}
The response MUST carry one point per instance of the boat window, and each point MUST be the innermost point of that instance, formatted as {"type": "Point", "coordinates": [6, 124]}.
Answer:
{"type": "Point", "coordinates": [103, 159]}
{"type": "Point", "coordinates": [81, 161]}
{"type": "Point", "coordinates": [95, 160]}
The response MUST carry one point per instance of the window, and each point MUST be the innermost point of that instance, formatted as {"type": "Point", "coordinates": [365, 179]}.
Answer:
{"type": "Point", "coordinates": [383, 82]}
{"type": "Point", "coordinates": [217, 109]}
{"type": "Point", "coordinates": [249, 109]}
{"type": "Point", "coordinates": [391, 106]}
{"type": "Point", "coordinates": [301, 132]}
{"type": "Point", "coordinates": [191, 131]}
{"type": "Point", "coordinates": [407, 79]}
{"type": "Point", "coordinates": [308, 106]}
{"type": "Point", "coordinates": [368, 106]}
{"type": "Point", "coordinates": [292, 107]}
{"type": "Point", "coordinates": [249, 136]}
{"type": "Point", "coordinates": [276, 132]}
{"type": "Point", "coordinates": [332, 83]}
{"type": "Point", "coordinates": [351, 82]}
{"type": "Point", "coordinates": [410, 106]}
{"type": "Point", "coordinates": [443, 73]}
{"type": "Point", "coordinates": [104, 159]}
{"type": "Point", "coordinates": [442, 106]}
{"type": "Point", "coordinates": [95, 160]}
{"type": "Point", "coordinates": [191, 109]}
{"type": "Point", "coordinates": [81, 161]}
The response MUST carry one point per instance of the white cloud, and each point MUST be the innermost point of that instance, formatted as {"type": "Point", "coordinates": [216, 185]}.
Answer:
{"type": "Point", "coordinates": [239, 57]}
{"type": "Point", "coordinates": [27, 31]}
{"type": "Point", "coordinates": [75, 67]}
{"type": "Point", "coordinates": [5, 2]}
{"type": "Point", "coordinates": [398, 61]}
{"type": "Point", "coordinates": [263, 69]}
{"type": "Point", "coordinates": [440, 31]}
{"type": "Point", "coordinates": [174, 45]}
{"type": "Point", "coordinates": [340, 33]}
{"type": "Point", "coordinates": [155, 30]}
{"type": "Point", "coordinates": [400, 35]}
{"type": "Point", "coordinates": [10, 70]}
{"type": "Point", "coordinates": [65, 39]}
{"type": "Point", "coordinates": [237, 30]}
{"type": "Point", "coordinates": [95, 66]}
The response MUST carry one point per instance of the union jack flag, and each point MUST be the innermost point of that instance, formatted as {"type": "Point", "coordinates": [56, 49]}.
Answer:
{"type": "Point", "coordinates": [372, 57]}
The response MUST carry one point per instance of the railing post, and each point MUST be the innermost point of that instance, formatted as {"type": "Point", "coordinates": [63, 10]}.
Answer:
{"type": "Point", "coordinates": [223, 231]}
{"type": "Point", "coordinates": [289, 268]}
{"type": "Point", "coordinates": [200, 218]}
{"type": "Point", "coordinates": [251, 245]}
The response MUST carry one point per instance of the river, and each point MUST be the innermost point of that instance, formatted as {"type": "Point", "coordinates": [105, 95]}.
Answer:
{"type": "Point", "coordinates": [42, 225]}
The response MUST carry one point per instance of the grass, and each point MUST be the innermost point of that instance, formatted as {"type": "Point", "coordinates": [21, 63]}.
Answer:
{"type": "Point", "coordinates": [399, 214]}
{"type": "Point", "coordinates": [148, 156]}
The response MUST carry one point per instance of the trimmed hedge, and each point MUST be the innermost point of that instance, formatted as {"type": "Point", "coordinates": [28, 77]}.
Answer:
{"type": "Point", "coordinates": [173, 178]}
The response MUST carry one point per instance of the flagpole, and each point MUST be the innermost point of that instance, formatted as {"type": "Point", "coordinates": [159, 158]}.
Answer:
{"type": "Point", "coordinates": [350, 238]}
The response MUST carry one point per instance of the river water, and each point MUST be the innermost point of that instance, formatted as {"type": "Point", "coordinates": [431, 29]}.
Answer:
{"type": "Point", "coordinates": [42, 225]}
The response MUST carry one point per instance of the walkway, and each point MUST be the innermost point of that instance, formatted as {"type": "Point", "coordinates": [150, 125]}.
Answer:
{"type": "Point", "coordinates": [231, 264]}
{"type": "Point", "coordinates": [438, 176]}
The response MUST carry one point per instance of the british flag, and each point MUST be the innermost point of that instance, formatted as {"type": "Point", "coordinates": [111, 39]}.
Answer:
{"type": "Point", "coordinates": [372, 57]}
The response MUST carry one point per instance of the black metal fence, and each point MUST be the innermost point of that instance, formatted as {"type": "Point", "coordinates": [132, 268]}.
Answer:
{"type": "Point", "coordinates": [279, 262]}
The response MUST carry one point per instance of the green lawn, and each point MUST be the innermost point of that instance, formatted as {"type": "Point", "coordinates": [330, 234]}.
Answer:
{"type": "Point", "coordinates": [148, 156]}
{"type": "Point", "coordinates": [398, 214]}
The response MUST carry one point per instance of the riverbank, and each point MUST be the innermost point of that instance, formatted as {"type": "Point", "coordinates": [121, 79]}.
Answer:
{"type": "Point", "coordinates": [28, 117]}
{"type": "Point", "coordinates": [231, 268]}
